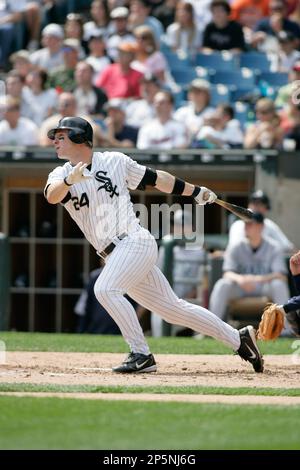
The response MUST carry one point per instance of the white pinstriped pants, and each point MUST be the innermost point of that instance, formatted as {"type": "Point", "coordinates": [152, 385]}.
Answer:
{"type": "Point", "coordinates": [131, 269]}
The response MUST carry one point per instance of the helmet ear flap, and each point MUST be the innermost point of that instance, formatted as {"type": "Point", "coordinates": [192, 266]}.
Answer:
{"type": "Point", "coordinates": [76, 137]}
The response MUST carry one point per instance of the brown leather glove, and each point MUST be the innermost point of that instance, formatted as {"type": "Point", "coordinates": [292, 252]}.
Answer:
{"type": "Point", "coordinates": [271, 323]}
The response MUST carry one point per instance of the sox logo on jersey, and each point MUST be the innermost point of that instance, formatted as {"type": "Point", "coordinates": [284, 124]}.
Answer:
{"type": "Point", "coordinates": [107, 184]}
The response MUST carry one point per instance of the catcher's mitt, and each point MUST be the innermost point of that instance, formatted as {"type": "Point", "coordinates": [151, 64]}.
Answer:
{"type": "Point", "coordinates": [271, 323]}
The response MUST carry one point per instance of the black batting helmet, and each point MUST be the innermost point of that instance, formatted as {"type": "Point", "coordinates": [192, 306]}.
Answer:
{"type": "Point", "coordinates": [79, 130]}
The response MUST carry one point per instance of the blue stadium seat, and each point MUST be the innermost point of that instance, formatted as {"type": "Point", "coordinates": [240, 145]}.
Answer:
{"type": "Point", "coordinates": [255, 61]}
{"type": "Point", "coordinates": [274, 79]}
{"type": "Point", "coordinates": [241, 112]}
{"type": "Point", "coordinates": [217, 61]}
{"type": "Point", "coordinates": [183, 76]}
{"type": "Point", "coordinates": [219, 94]}
{"type": "Point", "coordinates": [175, 61]}
{"type": "Point", "coordinates": [243, 78]}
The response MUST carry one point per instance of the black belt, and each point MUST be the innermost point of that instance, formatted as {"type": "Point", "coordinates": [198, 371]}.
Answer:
{"type": "Point", "coordinates": [107, 251]}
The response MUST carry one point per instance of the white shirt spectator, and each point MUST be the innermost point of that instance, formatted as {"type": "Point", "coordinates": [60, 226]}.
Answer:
{"type": "Point", "coordinates": [271, 230]}
{"type": "Point", "coordinates": [138, 112]}
{"type": "Point", "coordinates": [231, 134]}
{"type": "Point", "coordinates": [43, 59]}
{"type": "Point", "coordinates": [26, 133]}
{"type": "Point", "coordinates": [183, 44]}
{"type": "Point", "coordinates": [40, 104]}
{"type": "Point", "coordinates": [202, 13]}
{"type": "Point", "coordinates": [193, 121]}
{"type": "Point", "coordinates": [166, 136]}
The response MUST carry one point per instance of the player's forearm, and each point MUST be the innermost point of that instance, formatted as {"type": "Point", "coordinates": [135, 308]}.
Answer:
{"type": "Point", "coordinates": [270, 277]}
{"type": "Point", "coordinates": [56, 192]}
{"type": "Point", "coordinates": [165, 183]}
{"type": "Point", "coordinates": [232, 276]}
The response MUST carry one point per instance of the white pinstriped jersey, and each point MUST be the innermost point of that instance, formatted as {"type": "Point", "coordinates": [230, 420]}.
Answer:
{"type": "Point", "coordinates": [101, 205]}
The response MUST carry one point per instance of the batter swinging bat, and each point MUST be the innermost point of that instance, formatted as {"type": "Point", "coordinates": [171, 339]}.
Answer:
{"type": "Point", "coordinates": [241, 212]}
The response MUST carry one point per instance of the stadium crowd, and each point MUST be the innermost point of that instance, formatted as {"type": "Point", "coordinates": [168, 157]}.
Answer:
{"type": "Point", "coordinates": [151, 73]}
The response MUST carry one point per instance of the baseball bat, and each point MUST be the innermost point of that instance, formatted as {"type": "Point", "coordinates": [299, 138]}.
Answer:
{"type": "Point", "coordinates": [241, 212]}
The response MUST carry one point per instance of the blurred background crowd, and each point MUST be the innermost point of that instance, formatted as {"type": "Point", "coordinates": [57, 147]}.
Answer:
{"type": "Point", "coordinates": [151, 73]}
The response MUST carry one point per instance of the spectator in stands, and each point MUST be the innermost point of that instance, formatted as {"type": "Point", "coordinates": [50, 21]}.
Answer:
{"type": "Point", "coordinates": [222, 33]}
{"type": "Point", "coordinates": [118, 133]}
{"type": "Point", "coordinates": [291, 89]}
{"type": "Point", "coordinates": [139, 16]}
{"type": "Point", "coordinates": [148, 58]}
{"type": "Point", "coordinates": [265, 132]}
{"type": "Point", "coordinates": [183, 36]}
{"type": "Point", "coordinates": [165, 12]}
{"type": "Point", "coordinates": [249, 12]}
{"type": "Point", "coordinates": [197, 109]}
{"type": "Point", "coordinates": [90, 99]}
{"type": "Point", "coordinates": [67, 106]}
{"type": "Point", "coordinates": [10, 16]}
{"type": "Point", "coordinates": [63, 78]}
{"type": "Point", "coordinates": [221, 130]}
{"type": "Point", "coordinates": [14, 129]}
{"type": "Point", "coordinates": [120, 80]}
{"type": "Point", "coordinates": [260, 202]}
{"type": "Point", "coordinates": [21, 63]}
{"type": "Point", "coordinates": [74, 30]}
{"type": "Point", "coordinates": [100, 19]}
{"type": "Point", "coordinates": [253, 266]}
{"type": "Point", "coordinates": [51, 55]}
{"type": "Point", "coordinates": [97, 56]}
{"type": "Point", "coordinates": [42, 101]}
{"type": "Point", "coordinates": [33, 17]}
{"type": "Point", "coordinates": [288, 54]}
{"type": "Point", "coordinates": [140, 111]}
{"type": "Point", "coordinates": [119, 18]}
{"type": "Point", "coordinates": [163, 132]}
{"type": "Point", "coordinates": [15, 87]}
{"type": "Point", "coordinates": [268, 28]}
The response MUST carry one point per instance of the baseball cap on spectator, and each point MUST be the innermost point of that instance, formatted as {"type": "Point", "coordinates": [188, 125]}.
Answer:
{"type": "Point", "coordinates": [93, 34]}
{"type": "Point", "coordinates": [53, 29]}
{"type": "Point", "coordinates": [119, 12]}
{"type": "Point", "coordinates": [115, 103]}
{"type": "Point", "coordinates": [131, 47]}
{"type": "Point", "coordinates": [199, 84]}
{"type": "Point", "coordinates": [71, 43]}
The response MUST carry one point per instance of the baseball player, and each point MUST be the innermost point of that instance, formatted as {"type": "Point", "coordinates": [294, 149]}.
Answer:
{"type": "Point", "coordinates": [94, 189]}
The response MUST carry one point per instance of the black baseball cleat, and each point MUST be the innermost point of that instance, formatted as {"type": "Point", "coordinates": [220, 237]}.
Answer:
{"type": "Point", "coordinates": [136, 363]}
{"type": "Point", "coordinates": [248, 349]}
{"type": "Point", "coordinates": [293, 319]}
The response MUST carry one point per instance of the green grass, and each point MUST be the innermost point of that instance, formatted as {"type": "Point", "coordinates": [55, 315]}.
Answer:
{"type": "Point", "coordinates": [91, 424]}
{"type": "Point", "coordinates": [96, 343]}
{"type": "Point", "coordinates": [187, 390]}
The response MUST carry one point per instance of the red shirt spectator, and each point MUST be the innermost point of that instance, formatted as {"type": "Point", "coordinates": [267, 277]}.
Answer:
{"type": "Point", "coordinates": [119, 80]}
{"type": "Point", "coordinates": [249, 12]}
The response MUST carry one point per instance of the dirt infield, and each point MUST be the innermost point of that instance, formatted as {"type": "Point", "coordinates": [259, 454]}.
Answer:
{"type": "Point", "coordinates": [173, 370]}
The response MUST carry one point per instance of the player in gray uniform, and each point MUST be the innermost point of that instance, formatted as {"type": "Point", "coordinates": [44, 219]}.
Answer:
{"type": "Point", "coordinates": [94, 189]}
{"type": "Point", "coordinates": [252, 267]}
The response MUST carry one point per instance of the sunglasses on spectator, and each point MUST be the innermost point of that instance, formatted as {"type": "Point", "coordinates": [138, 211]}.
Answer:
{"type": "Point", "coordinates": [264, 111]}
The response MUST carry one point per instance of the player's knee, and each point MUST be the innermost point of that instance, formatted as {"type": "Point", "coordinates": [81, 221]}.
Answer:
{"type": "Point", "coordinates": [105, 294]}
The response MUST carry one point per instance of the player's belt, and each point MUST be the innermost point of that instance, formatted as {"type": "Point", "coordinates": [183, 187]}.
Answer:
{"type": "Point", "coordinates": [110, 248]}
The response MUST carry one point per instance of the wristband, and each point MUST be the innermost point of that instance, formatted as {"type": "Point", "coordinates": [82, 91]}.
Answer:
{"type": "Point", "coordinates": [179, 186]}
{"type": "Point", "coordinates": [196, 191]}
